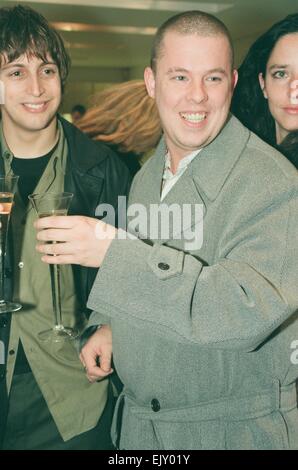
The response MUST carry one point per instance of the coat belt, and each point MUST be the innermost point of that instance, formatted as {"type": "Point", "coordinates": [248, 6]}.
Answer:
{"type": "Point", "coordinates": [229, 408]}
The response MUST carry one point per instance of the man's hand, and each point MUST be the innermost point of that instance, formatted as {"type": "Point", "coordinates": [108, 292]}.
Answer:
{"type": "Point", "coordinates": [83, 240]}
{"type": "Point", "coordinates": [96, 355]}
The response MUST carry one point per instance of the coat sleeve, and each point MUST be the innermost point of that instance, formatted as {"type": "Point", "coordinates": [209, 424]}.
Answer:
{"type": "Point", "coordinates": [113, 193]}
{"type": "Point", "coordinates": [235, 303]}
{"type": "Point", "coordinates": [117, 185]}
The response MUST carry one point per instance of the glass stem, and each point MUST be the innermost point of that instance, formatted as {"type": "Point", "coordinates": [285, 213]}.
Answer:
{"type": "Point", "coordinates": [3, 235]}
{"type": "Point", "coordinates": [56, 297]}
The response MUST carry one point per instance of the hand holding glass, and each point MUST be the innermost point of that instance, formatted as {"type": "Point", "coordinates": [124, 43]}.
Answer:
{"type": "Point", "coordinates": [46, 205]}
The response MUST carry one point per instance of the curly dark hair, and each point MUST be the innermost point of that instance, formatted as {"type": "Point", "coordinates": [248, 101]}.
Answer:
{"type": "Point", "coordinates": [248, 103]}
{"type": "Point", "coordinates": [25, 31]}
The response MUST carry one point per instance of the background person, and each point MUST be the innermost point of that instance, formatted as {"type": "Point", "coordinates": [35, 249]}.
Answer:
{"type": "Point", "coordinates": [125, 118]}
{"type": "Point", "coordinates": [77, 113]}
{"type": "Point", "coordinates": [266, 97]}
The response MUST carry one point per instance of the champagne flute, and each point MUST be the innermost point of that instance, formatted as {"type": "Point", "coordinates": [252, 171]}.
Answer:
{"type": "Point", "coordinates": [45, 205]}
{"type": "Point", "coordinates": [8, 186]}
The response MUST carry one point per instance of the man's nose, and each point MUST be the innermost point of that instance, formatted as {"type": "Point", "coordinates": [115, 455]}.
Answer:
{"type": "Point", "coordinates": [197, 91]}
{"type": "Point", "coordinates": [35, 86]}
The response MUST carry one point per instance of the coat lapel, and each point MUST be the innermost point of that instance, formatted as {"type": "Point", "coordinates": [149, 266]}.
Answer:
{"type": "Point", "coordinates": [149, 186]}
{"type": "Point", "coordinates": [199, 185]}
{"type": "Point", "coordinates": [216, 161]}
{"type": "Point", "coordinates": [163, 227]}
{"type": "Point", "coordinates": [86, 190]}
{"type": "Point", "coordinates": [83, 155]}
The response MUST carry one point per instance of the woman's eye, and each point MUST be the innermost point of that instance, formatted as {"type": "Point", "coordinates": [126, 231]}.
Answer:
{"type": "Point", "coordinates": [279, 74]}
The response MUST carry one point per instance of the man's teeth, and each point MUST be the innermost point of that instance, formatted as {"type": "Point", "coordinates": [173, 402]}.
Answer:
{"type": "Point", "coordinates": [34, 106]}
{"type": "Point", "coordinates": [193, 117]}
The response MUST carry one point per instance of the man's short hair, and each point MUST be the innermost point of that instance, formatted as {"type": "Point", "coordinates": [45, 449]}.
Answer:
{"type": "Point", "coordinates": [24, 31]}
{"type": "Point", "coordinates": [189, 22]}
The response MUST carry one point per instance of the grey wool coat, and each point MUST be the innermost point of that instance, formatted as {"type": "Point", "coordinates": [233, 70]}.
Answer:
{"type": "Point", "coordinates": [203, 338]}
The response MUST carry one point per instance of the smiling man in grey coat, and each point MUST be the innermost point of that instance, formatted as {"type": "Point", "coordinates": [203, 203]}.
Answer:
{"type": "Point", "coordinates": [204, 318]}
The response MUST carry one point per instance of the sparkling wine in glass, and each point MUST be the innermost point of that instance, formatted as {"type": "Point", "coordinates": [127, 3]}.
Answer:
{"type": "Point", "coordinates": [8, 186]}
{"type": "Point", "coordinates": [45, 205]}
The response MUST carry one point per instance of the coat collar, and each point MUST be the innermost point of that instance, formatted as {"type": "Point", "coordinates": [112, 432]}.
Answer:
{"type": "Point", "coordinates": [212, 167]}
{"type": "Point", "coordinates": [202, 180]}
{"type": "Point", "coordinates": [83, 152]}
{"type": "Point", "coordinates": [216, 161]}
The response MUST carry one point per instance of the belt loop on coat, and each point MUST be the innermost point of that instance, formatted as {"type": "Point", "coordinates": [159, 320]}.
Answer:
{"type": "Point", "coordinates": [287, 397]}
{"type": "Point", "coordinates": [117, 421]}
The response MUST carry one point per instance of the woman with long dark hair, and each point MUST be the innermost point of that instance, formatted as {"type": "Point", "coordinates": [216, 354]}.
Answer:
{"type": "Point", "coordinates": [266, 97]}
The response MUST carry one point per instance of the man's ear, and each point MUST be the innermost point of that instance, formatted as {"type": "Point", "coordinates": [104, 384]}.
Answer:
{"type": "Point", "coordinates": [2, 93]}
{"type": "Point", "coordinates": [262, 85]}
{"type": "Point", "coordinates": [235, 78]}
{"type": "Point", "coordinates": [149, 79]}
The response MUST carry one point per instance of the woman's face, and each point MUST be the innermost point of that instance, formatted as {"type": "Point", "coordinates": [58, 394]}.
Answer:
{"type": "Point", "coordinates": [280, 85]}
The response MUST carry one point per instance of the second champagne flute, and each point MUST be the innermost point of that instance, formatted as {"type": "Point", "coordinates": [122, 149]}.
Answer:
{"type": "Point", "coordinates": [45, 205]}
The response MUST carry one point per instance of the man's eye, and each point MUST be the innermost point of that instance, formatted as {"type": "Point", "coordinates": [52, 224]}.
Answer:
{"type": "Point", "coordinates": [16, 73]}
{"type": "Point", "coordinates": [214, 79]}
{"type": "Point", "coordinates": [179, 78]}
{"type": "Point", "coordinates": [49, 71]}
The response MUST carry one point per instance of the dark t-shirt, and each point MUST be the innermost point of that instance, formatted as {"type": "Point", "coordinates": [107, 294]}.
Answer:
{"type": "Point", "coordinates": [29, 171]}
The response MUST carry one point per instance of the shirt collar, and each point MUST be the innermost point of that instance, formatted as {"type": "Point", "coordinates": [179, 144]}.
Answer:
{"type": "Point", "coordinates": [183, 164]}
{"type": "Point", "coordinates": [58, 155]}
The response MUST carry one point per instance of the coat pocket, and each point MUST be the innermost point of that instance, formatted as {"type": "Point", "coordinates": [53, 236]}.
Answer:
{"type": "Point", "coordinates": [203, 435]}
{"type": "Point", "coordinates": [264, 433]}
{"type": "Point", "coordinates": [177, 435]}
